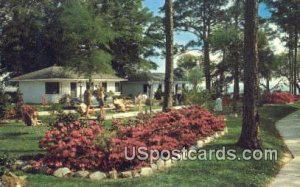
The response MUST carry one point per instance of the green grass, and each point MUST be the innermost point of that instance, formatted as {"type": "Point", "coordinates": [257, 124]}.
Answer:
{"type": "Point", "coordinates": [20, 140]}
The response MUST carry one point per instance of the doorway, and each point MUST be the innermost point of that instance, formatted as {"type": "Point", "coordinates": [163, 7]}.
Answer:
{"type": "Point", "coordinates": [73, 89]}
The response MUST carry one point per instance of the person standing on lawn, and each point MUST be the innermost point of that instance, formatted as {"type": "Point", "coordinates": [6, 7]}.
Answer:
{"type": "Point", "coordinates": [87, 99]}
{"type": "Point", "coordinates": [100, 98]}
{"type": "Point", "coordinates": [219, 106]}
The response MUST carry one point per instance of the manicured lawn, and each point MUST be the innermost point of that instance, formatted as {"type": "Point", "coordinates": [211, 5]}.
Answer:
{"type": "Point", "coordinates": [18, 140]}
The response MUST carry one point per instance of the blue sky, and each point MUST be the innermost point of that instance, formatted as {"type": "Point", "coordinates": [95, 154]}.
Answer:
{"type": "Point", "coordinates": [183, 38]}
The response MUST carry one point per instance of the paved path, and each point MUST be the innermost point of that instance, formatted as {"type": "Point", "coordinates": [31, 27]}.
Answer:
{"type": "Point", "coordinates": [127, 114]}
{"type": "Point", "coordinates": [110, 116]}
{"type": "Point", "coordinates": [289, 128]}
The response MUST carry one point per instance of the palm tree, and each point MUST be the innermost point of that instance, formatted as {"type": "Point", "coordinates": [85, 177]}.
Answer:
{"type": "Point", "coordinates": [249, 135]}
{"type": "Point", "coordinates": [169, 75]}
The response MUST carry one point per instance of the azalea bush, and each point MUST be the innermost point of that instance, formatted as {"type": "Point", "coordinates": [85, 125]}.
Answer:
{"type": "Point", "coordinates": [66, 118]}
{"type": "Point", "coordinates": [28, 113]}
{"type": "Point", "coordinates": [10, 112]}
{"type": "Point", "coordinates": [165, 131]}
{"type": "Point", "coordinates": [278, 98]}
{"type": "Point", "coordinates": [72, 145]}
{"type": "Point", "coordinates": [87, 146]}
{"type": "Point", "coordinates": [28, 109]}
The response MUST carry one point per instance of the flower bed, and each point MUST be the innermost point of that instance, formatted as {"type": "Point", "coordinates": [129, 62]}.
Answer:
{"type": "Point", "coordinates": [165, 131]}
{"type": "Point", "coordinates": [278, 98]}
{"type": "Point", "coordinates": [89, 147]}
{"type": "Point", "coordinates": [297, 97]}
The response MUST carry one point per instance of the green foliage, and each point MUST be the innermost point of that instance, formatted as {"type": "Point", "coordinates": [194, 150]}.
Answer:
{"type": "Point", "coordinates": [81, 34]}
{"type": "Point", "coordinates": [4, 102]}
{"type": "Point", "coordinates": [158, 94]}
{"type": "Point", "coordinates": [285, 13]}
{"type": "Point", "coordinates": [195, 77]}
{"type": "Point", "coordinates": [280, 65]}
{"type": "Point", "coordinates": [186, 63]}
{"type": "Point", "coordinates": [138, 34]}
{"type": "Point", "coordinates": [84, 33]}
{"type": "Point", "coordinates": [19, 103]}
{"type": "Point", "coordinates": [202, 98]}
{"type": "Point", "coordinates": [24, 42]}
{"type": "Point", "coordinates": [103, 141]}
{"type": "Point", "coordinates": [226, 38]}
{"type": "Point", "coordinates": [5, 162]}
{"type": "Point", "coordinates": [8, 110]}
{"type": "Point", "coordinates": [65, 100]}
{"type": "Point", "coordinates": [266, 65]}
{"type": "Point", "coordinates": [110, 94]}
{"type": "Point", "coordinates": [199, 19]}
{"type": "Point", "coordinates": [55, 107]}
{"type": "Point", "coordinates": [200, 11]}
{"type": "Point", "coordinates": [240, 173]}
{"type": "Point", "coordinates": [66, 118]}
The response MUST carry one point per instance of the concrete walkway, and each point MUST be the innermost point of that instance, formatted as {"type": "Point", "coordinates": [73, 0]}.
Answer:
{"type": "Point", "coordinates": [110, 116]}
{"type": "Point", "coordinates": [289, 128]}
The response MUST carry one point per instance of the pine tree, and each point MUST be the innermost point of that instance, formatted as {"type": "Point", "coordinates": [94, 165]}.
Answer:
{"type": "Point", "coordinates": [169, 75]}
{"type": "Point", "coordinates": [287, 15]}
{"type": "Point", "coordinates": [21, 41]}
{"type": "Point", "coordinates": [249, 136]}
{"type": "Point", "coordinates": [199, 17]}
{"type": "Point", "coordinates": [138, 34]}
{"type": "Point", "coordinates": [83, 32]}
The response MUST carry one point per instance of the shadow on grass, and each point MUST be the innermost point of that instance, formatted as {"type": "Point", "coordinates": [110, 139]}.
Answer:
{"type": "Point", "coordinates": [14, 134]}
{"type": "Point", "coordinates": [204, 173]}
{"type": "Point", "coordinates": [20, 136]}
{"type": "Point", "coordinates": [33, 151]}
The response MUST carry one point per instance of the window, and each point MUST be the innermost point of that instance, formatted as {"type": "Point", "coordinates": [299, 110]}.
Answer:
{"type": "Point", "coordinates": [159, 87]}
{"type": "Point", "coordinates": [117, 87]}
{"type": "Point", "coordinates": [104, 85]}
{"type": "Point", "coordinates": [52, 87]}
{"type": "Point", "coordinates": [145, 88]}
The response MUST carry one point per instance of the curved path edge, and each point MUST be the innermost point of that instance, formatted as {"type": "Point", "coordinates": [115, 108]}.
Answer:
{"type": "Point", "coordinates": [289, 128]}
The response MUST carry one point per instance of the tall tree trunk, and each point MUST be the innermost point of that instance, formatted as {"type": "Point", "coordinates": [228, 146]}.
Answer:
{"type": "Point", "coordinates": [291, 67]}
{"type": "Point", "coordinates": [221, 82]}
{"type": "Point", "coordinates": [207, 63]}
{"type": "Point", "coordinates": [206, 47]}
{"type": "Point", "coordinates": [222, 75]}
{"type": "Point", "coordinates": [169, 76]}
{"type": "Point", "coordinates": [236, 86]}
{"type": "Point", "coordinates": [249, 136]}
{"type": "Point", "coordinates": [268, 84]}
{"type": "Point", "coordinates": [295, 60]}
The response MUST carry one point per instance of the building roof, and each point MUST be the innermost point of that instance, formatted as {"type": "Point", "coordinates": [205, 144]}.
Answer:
{"type": "Point", "coordinates": [147, 76]}
{"type": "Point", "coordinates": [61, 73]}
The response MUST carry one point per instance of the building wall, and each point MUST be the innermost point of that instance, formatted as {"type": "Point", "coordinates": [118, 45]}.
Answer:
{"type": "Point", "coordinates": [34, 91]}
{"type": "Point", "coordinates": [111, 86]}
{"type": "Point", "coordinates": [135, 88]}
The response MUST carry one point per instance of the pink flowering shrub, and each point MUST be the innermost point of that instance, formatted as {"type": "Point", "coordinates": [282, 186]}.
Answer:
{"type": "Point", "coordinates": [165, 131]}
{"type": "Point", "coordinates": [77, 146]}
{"type": "Point", "coordinates": [278, 98]}
{"type": "Point", "coordinates": [71, 145]}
